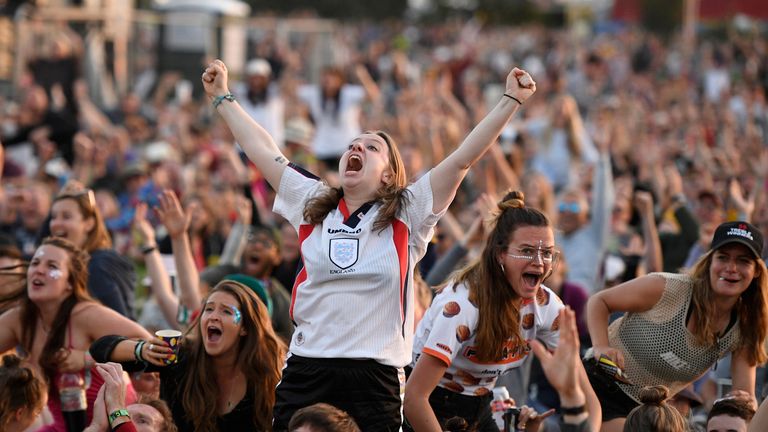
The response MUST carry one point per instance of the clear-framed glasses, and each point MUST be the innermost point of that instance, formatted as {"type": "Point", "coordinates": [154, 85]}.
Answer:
{"type": "Point", "coordinates": [546, 256]}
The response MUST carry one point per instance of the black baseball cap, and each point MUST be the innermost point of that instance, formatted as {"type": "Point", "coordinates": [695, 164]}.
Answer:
{"type": "Point", "coordinates": [739, 232]}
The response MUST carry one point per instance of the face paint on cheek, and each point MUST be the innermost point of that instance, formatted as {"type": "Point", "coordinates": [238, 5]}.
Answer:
{"type": "Point", "coordinates": [55, 274]}
{"type": "Point", "coordinates": [237, 317]}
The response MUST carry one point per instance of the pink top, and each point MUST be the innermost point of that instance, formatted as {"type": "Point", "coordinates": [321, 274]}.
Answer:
{"type": "Point", "coordinates": [96, 381]}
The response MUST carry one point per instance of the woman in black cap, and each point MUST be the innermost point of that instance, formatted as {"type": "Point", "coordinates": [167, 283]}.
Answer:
{"type": "Point", "coordinates": [677, 326]}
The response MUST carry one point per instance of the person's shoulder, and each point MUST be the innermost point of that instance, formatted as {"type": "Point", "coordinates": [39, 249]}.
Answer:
{"type": "Point", "coordinates": [457, 293]}
{"type": "Point", "coordinates": [12, 314]}
{"type": "Point", "coordinates": [108, 257]}
{"type": "Point", "coordinates": [88, 312]}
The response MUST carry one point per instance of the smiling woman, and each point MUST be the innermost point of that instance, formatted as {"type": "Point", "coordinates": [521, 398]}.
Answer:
{"type": "Point", "coordinates": [75, 217]}
{"type": "Point", "coordinates": [679, 325]}
{"type": "Point", "coordinates": [228, 364]}
{"type": "Point", "coordinates": [478, 326]}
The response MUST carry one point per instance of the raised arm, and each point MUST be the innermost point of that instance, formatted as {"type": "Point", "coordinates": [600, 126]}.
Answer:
{"type": "Point", "coordinates": [653, 258]}
{"type": "Point", "coordinates": [447, 175]}
{"type": "Point", "coordinates": [158, 276]}
{"type": "Point", "coordinates": [176, 221]}
{"type": "Point", "coordinates": [255, 141]}
{"type": "Point", "coordinates": [565, 373]}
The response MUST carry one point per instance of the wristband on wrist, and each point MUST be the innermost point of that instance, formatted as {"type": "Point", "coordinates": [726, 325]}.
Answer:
{"type": "Point", "coordinates": [116, 414]}
{"type": "Point", "coordinates": [137, 351]}
{"type": "Point", "coordinates": [88, 360]}
{"type": "Point", "coordinates": [513, 98]}
{"type": "Point", "coordinates": [148, 249]}
{"type": "Point", "coordinates": [219, 99]}
{"type": "Point", "coordinates": [573, 410]}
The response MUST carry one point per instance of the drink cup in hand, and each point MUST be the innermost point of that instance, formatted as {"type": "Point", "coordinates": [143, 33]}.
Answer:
{"type": "Point", "coordinates": [172, 338]}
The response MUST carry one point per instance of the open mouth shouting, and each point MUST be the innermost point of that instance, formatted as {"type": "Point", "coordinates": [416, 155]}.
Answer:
{"type": "Point", "coordinates": [213, 333]}
{"type": "Point", "coordinates": [354, 164]}
{"type": "Point", "coordinates": [532, 280]}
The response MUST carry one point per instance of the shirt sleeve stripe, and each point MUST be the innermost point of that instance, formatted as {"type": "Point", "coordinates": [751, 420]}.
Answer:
{"type": "Point", "coordinates": [438, 355]}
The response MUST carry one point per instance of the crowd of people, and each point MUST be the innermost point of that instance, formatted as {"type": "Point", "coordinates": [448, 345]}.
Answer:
{"type": "Point", "coordinates": [385, 248]}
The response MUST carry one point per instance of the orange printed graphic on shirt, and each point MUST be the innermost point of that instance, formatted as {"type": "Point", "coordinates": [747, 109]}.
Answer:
{"type": "Point", "coordinates": [509, 354]}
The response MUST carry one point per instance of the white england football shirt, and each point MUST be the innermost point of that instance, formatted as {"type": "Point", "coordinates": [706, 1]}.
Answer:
{"type": "Point", "coordinates": [353, 295]}
{"type": "Point", "coordinates": [447, 332]}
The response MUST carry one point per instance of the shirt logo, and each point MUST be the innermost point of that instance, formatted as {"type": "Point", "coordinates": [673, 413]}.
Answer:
{"type": "Point", "coordinates": [674, 361]}
{"type": "Point", "coordinates": [343, 252]}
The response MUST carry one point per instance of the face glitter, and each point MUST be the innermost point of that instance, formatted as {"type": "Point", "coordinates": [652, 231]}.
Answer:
{"type": "Point", "coordinates": [55, 274]}
{"type": "Point", "coordinates": [39, 253]}
{"type": "Point", "coordinates": [237, 315]}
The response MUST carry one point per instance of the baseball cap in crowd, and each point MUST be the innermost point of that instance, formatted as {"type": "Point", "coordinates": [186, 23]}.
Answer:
{"type": "Point", "coordinates": [299, 131]}
{"type": "Point", "coordinates": [258, 66]}
{"type": "Point", "coordinates": [738, 232]}
{"type": "Point", "coordinates": [255, 286]}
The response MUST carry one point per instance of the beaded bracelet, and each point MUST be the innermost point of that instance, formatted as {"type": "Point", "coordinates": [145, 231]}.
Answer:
{"type": "Point", "coordinates": [219, 99]}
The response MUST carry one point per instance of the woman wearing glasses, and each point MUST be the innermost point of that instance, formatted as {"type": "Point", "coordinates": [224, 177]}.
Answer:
{"type": "Point", "coordinates": [75, 217]}
{"type": "Point", "coordinates": [478, 326]}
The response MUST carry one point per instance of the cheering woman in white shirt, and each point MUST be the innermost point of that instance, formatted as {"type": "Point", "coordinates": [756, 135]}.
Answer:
{"type": "Point", "coordinates": [352, 300]}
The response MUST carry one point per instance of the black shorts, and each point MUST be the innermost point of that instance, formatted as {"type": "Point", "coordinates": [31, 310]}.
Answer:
{"type": "Point", "coordinates": [614, 402]}
{"type": "Point", "coordinates": [476, 410]}
{"type": "Point", "coordinates": [368, 391]}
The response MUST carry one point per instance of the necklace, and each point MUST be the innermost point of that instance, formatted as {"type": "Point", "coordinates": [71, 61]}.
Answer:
{"type": "Point", "coordinates": [231, 389]}
{"type": "Point", "coordinates": [42, 325]}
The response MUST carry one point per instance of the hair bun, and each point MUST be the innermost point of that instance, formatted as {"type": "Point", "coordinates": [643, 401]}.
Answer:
{"type": "Point", "coordinates": [654, 395]}
{"type": "Point", "coordinates": [11, 361]}
{"type": "Point", "coordinates": [513, 199]}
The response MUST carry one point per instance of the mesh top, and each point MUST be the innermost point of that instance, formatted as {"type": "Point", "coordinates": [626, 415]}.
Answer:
{"type": "Point", "coordinates": [658, 348]}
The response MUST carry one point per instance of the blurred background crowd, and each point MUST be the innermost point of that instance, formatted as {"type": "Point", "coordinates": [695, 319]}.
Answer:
{"type": "Point", "coordinates": [649, 128]}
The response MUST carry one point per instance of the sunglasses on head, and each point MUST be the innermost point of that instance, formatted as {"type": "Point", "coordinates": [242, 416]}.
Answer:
{"type": "Point", "coordinates": [91, 197]}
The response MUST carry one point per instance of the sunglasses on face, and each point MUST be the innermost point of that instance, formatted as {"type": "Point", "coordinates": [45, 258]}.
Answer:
{"type": "Point", "coordinates": [572, 207]}
{"type": "Point", "coordinates": [260, 240]}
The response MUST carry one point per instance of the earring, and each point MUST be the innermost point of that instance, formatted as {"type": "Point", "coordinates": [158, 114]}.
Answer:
{"type": "Point", "coordinates": [501, 264]}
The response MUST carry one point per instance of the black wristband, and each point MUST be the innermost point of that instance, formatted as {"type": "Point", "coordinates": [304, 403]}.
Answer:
{"type": "Point", "coordinates": [573, 410]}
{"type": "Point", "coordinates": [513, 98]}
{"type": "Point", "coordinates": [148, 249]}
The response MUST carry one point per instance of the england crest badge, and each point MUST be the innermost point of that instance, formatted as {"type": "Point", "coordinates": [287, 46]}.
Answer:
{"type": "Point", "coordinates": [343, 252]}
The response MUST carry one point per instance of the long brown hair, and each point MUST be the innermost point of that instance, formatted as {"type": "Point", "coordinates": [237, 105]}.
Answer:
{"type": "Point", "coordinates": [489, 288]}
{"type": "Point", "coordinates": [98, 237]}
{"type": "Point", "coordinates": [260, 357]}
{"type": "Point", "coordinates": [751, 309]}
{"type": "Point", "coordinates": [50, 357]}
{"type": "Point", "coordinates": [393, 196]}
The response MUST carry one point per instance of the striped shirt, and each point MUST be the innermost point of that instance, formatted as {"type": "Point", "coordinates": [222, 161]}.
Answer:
{"type": "Point", "coordinates": [353, 295]}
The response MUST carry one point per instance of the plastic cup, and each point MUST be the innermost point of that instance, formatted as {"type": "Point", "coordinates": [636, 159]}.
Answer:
{"type": "Point", "coordinates": [172, 338]}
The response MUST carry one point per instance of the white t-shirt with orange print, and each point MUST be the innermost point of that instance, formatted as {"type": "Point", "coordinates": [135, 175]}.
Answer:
{"type": "Point", "coordinates": [447, 332]}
